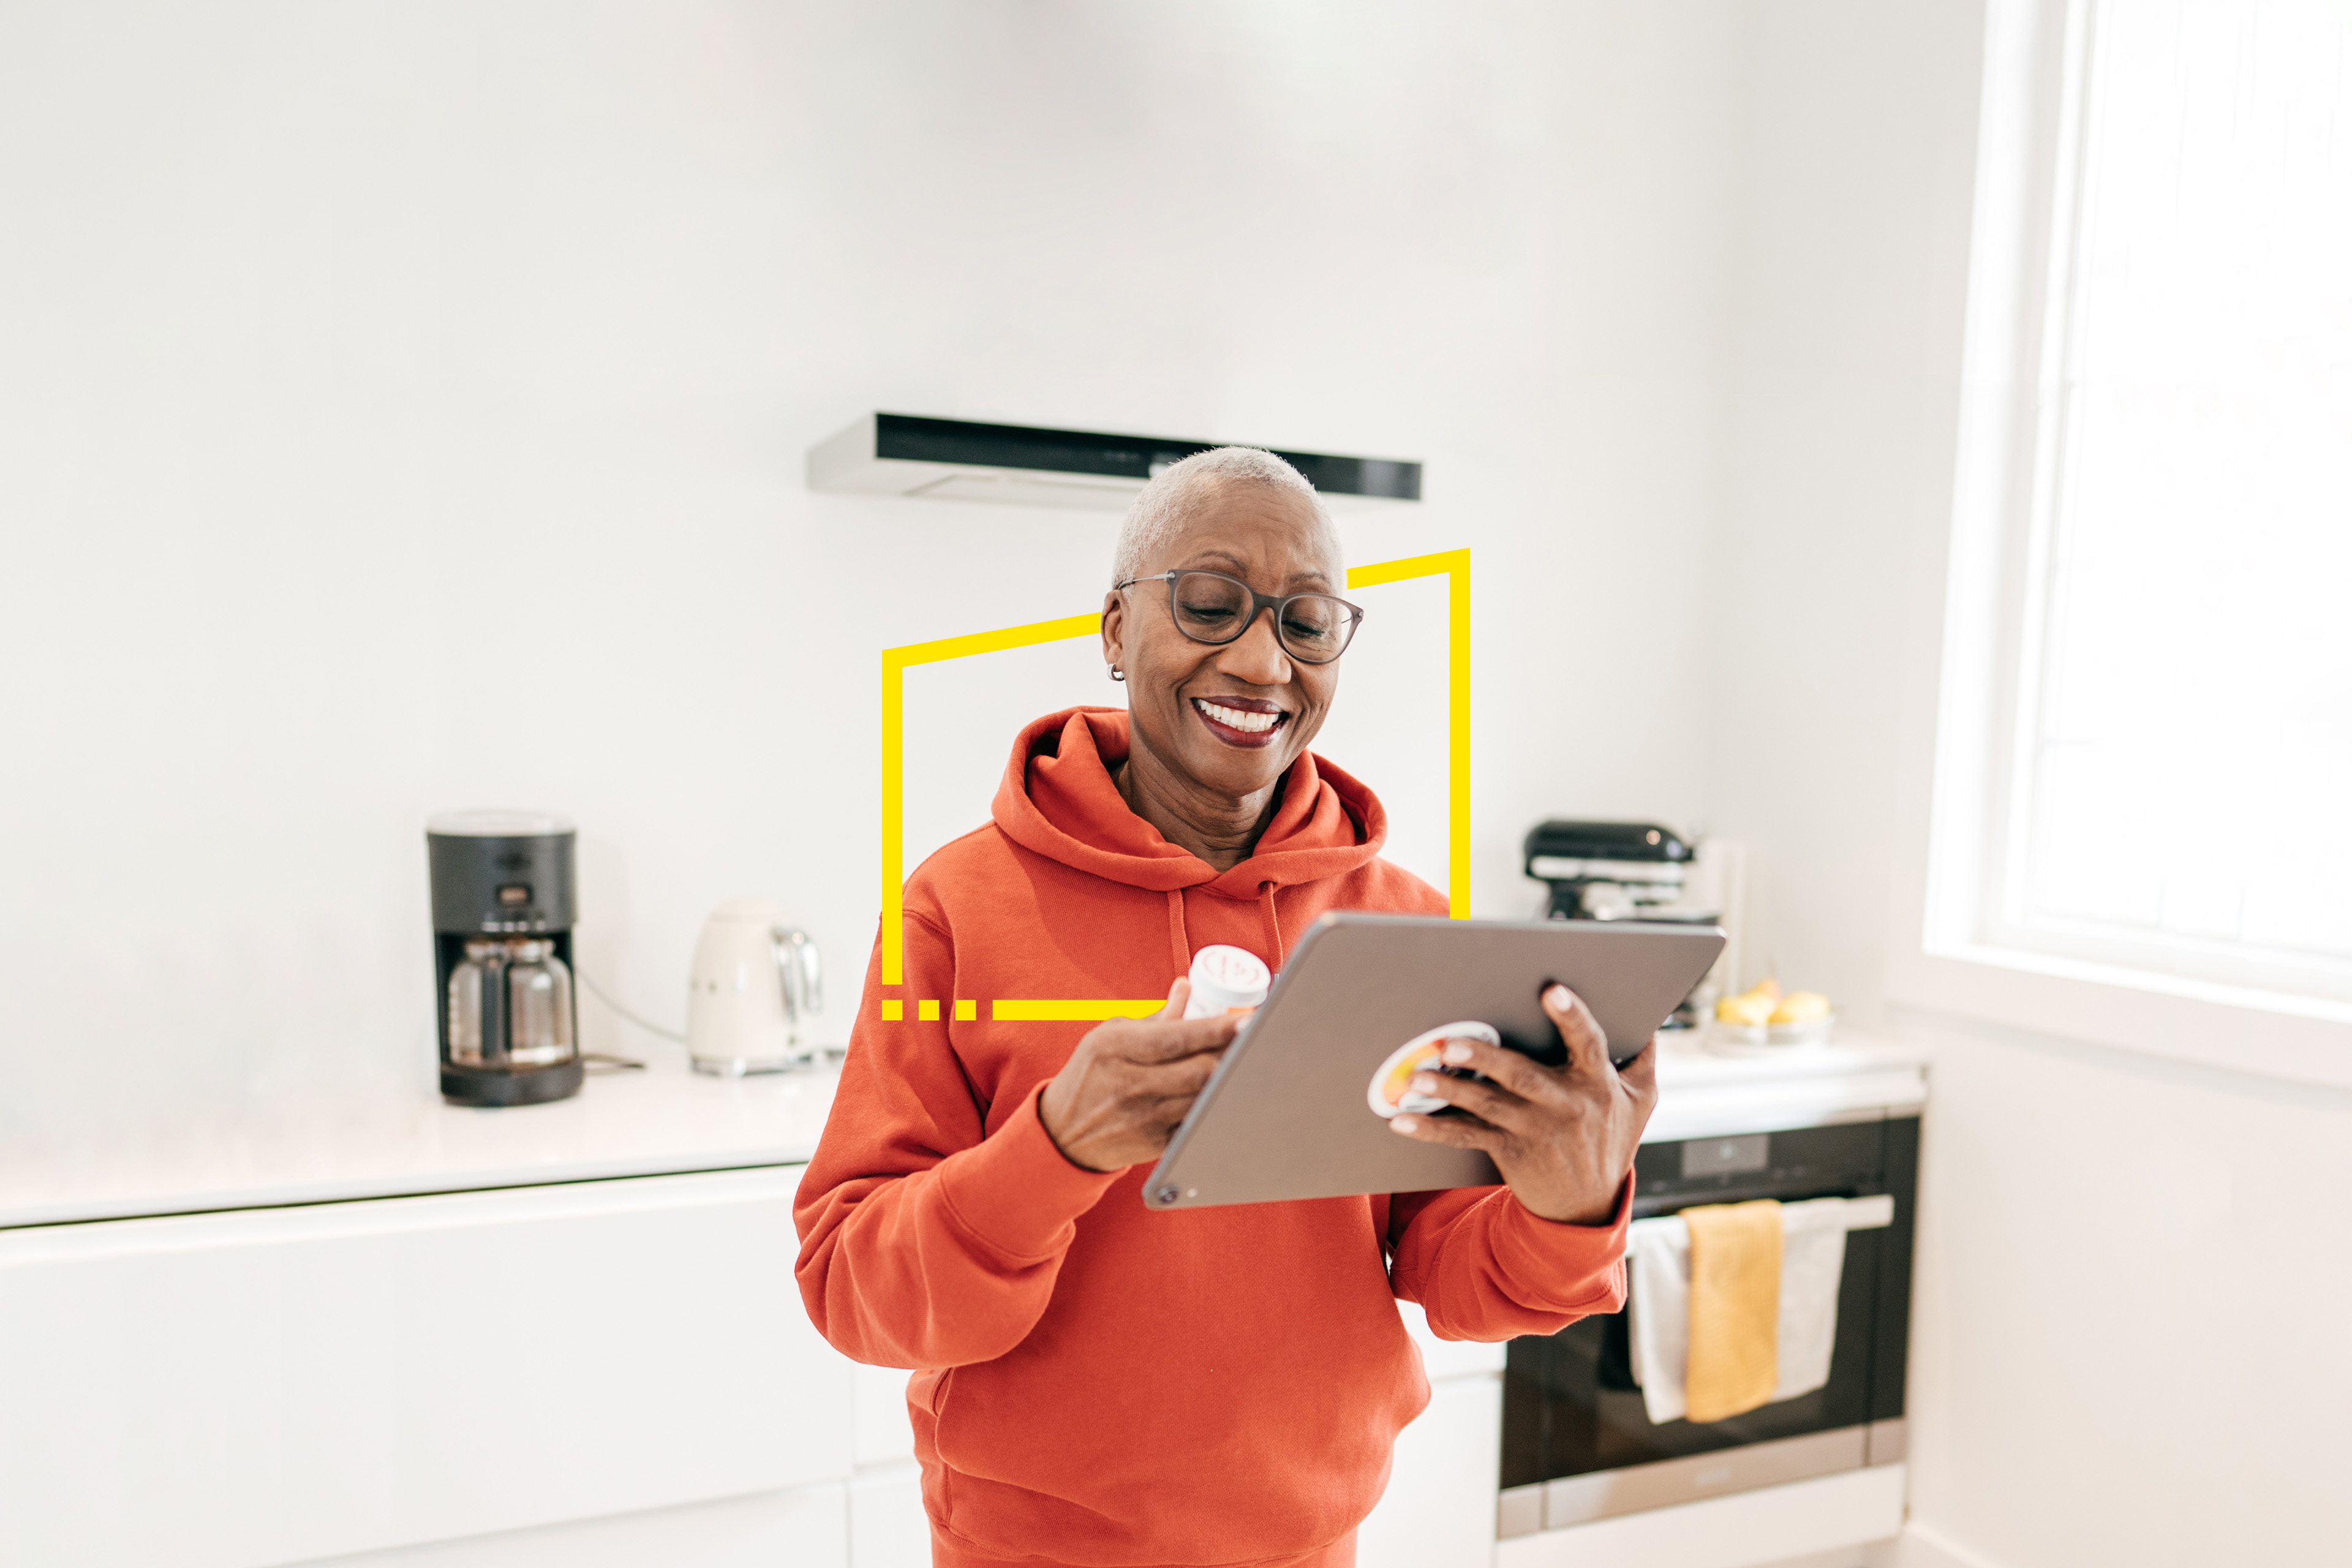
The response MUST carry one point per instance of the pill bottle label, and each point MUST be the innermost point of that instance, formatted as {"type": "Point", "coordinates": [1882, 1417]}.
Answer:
{"type": "Point", "coordinates": [1226, 980]}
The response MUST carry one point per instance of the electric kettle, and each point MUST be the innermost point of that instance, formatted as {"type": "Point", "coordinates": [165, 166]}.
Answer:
{"type": "Point", "coordinates": [753, 985]}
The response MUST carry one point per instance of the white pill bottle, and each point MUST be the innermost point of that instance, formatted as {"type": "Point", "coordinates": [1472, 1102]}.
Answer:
{"type": "Point", "coordinates": [1226, 980]}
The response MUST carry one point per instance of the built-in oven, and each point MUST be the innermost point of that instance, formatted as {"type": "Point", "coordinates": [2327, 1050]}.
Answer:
{"type": "Point", "coordinates": [1578, 1442]}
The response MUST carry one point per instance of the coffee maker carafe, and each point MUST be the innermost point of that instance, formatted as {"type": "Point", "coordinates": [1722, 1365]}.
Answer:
{"type": "Point", "coordinates": [502, 915]}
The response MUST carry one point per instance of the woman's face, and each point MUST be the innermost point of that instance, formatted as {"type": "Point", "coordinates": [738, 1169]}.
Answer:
{"type": "Point", "coordinates": [1268, 538]}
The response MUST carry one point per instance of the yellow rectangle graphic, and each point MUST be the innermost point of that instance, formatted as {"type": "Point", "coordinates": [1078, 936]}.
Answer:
{"type": "Point", "coordinates": [1455, 564]}
{"type": "Point", "coordinates": [1083, 1009]}
{"type": "Point", "coordinates": [1379, 572]}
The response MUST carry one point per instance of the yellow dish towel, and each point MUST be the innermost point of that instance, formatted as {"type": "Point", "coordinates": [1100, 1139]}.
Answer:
{"type": "Point", "coordinates": [1735, 1308]}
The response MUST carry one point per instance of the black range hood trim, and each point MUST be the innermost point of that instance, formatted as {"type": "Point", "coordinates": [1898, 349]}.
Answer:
{"type": "Point", "coordinates": [920, 438]}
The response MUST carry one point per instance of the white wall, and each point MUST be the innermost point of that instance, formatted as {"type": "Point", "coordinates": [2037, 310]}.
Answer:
{"type": "Point", "coordinates": [2130, 1346]}
{"type": "Point", "coordinates": [1856, 133]}
{"type": "Point", "coordinates": [403, 407]}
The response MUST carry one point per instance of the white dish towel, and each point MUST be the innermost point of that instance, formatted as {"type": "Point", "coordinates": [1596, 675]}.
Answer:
{"type": "Point", "coordinates": [1813, 1262]}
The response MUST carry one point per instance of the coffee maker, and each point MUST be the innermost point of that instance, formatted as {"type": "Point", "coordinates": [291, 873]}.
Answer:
{"type": "Point", "coordinates": [503, 909]}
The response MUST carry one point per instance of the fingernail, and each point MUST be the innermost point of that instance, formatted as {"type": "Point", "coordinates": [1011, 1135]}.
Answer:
{"type": "Point", "coordinates": [1424, 1084]}
{"type": "Point", "coordinates": [1457, 1052]}
{"type": "Point", "coordinates": [1403, 1123]}
{"type": "Point", "coordinates": [1558, 996]}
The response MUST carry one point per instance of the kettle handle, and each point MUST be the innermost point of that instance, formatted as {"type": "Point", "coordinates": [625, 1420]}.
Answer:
{"type": "Point", "coordinates": [802, 975]}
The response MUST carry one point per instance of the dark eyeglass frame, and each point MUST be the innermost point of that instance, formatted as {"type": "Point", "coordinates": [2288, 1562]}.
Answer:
{"type": "Point", "coordinates": [1259, 603]}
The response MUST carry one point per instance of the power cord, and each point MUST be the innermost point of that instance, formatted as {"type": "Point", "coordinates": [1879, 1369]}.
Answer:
{"type": "Point", "coordinates": [823, 1053]}
{"type": "Point", "coordinates": [650, 1027]}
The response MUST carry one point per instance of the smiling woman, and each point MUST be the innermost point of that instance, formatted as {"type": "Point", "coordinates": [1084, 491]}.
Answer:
{"type": "Point", "coordinates": [1222, 699]}
{"type": "Point", "coordinates": [974, 1210]}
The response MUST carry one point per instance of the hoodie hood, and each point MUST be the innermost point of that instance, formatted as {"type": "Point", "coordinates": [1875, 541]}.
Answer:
{"type": "Point", "coordinates": [1057, 799]}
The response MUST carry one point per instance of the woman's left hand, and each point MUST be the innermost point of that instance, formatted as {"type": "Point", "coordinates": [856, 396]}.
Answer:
{"type": "Point", "coordinates": [1563, 1137]}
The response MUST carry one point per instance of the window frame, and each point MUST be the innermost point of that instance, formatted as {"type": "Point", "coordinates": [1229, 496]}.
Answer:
{"type": "Point", "coordinates": [1990, 614]}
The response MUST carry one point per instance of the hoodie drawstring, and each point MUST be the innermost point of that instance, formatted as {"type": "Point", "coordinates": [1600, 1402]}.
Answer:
{"type": "Point", "coordinates": [1273, 923]}
{"type": "Point", "coordinates": [1176, 940]}
{"type": "Point", "coordinates": [1180, 945]}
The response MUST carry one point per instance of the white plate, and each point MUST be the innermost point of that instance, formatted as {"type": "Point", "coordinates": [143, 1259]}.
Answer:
{"type": "Point", "coordinates": [1763, 1039]}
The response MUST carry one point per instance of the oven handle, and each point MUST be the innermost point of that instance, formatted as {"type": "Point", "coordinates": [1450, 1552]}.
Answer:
{"type": "Point", "coordinates": [1874, 1213]}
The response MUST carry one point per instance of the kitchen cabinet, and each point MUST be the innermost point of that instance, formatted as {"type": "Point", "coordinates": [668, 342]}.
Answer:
{"type": "Point", "coordinates": [803, 1527]}
{"type": "Point", "coordinates": [888, 1527]}
{"type": "Point", "coordinates": [885, 1434]}
{"type": "Point", "coordinates": [561, 1338]}
{"type": "Point", "coordinates": [276, 1386]}
{"type": "Point", "coordinates": [578, 1374]}
{"type": "Point", "coordinates": [1439, 1508]}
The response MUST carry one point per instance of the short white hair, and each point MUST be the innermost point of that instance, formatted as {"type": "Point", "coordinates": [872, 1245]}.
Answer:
{"type": "Point", "coordinates": [1160, 510]}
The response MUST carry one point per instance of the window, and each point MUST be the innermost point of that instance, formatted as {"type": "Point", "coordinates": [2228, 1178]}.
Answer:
{"type": "Point", "coordinates": [2157, 775]}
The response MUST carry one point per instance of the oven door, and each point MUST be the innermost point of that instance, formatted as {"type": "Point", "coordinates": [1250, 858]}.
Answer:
{"type": "Point", "coordinates": [1578, 1442]}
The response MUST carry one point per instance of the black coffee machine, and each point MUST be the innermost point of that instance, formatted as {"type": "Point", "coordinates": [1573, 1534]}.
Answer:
{"type": "Point", "coordinates": [1619, 871]}
{"type": "Point", "coordinates": [503, 909]}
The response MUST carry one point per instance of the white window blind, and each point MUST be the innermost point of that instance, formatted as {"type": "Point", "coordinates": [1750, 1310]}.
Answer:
{"type": "Point", "coordinates": [2181, 789]}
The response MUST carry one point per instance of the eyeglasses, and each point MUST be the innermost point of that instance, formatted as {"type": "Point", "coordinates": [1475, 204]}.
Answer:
{"type": "Point", "coordinates": [1211, 607]}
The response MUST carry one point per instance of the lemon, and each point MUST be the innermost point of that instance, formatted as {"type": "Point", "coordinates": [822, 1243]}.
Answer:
{"type": "Point", "coordinates": [1746, 1008]}
{"type": "Point", "coordinates": [1800, 1008]}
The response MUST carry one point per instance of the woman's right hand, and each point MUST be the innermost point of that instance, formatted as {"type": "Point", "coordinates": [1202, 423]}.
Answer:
{"type": "Point", "coordinates": [1119, 1097]}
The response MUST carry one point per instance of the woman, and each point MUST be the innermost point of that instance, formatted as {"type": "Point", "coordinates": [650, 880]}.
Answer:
{"type": "Point", "coordinates": [1097, 1383]}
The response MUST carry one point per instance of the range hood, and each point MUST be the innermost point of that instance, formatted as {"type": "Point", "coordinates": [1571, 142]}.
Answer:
{"type": "Point", "coordinates": [956, 460]}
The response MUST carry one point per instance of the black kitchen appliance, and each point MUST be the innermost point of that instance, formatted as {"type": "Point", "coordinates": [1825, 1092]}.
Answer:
{"type": "Point", "coordinates": [1608, 870]}
{"type": "Point", "coordinates": [503, 909]}
{"type": "Point", "coordinates": [1620, 871]}
{"type": "Point", "coordinates": [1578, 1442]}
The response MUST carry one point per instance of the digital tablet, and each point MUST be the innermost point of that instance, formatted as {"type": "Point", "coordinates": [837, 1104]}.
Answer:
{"type": "Point", "coordinates": [1299, 1106]}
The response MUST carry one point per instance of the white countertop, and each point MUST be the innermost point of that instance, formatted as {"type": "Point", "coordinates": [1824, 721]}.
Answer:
{"type": "Point", "coordinates": [663, 1119]}
{"type": "Point", "coordinates": [667, 1119]}
{"type": "Point", "coordinates": [1704, 1095]}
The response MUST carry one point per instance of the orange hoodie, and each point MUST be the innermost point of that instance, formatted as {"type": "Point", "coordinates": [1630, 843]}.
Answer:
{"type": "Point", "coordinates": [1097, 1383]}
